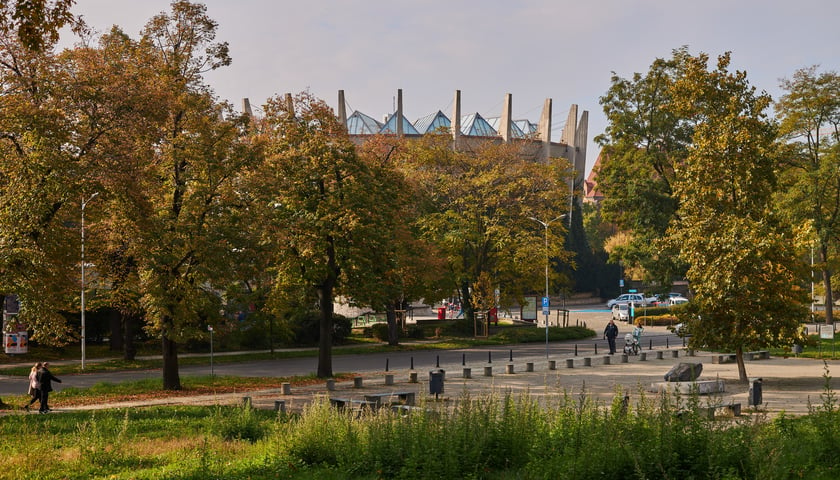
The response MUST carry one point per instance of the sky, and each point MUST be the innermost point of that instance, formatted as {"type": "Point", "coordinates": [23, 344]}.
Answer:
{"type": "Point", "coordinates": [532, 49]}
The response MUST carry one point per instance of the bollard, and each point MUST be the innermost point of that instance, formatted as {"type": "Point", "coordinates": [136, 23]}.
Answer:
{"type": "Point", "coordinates": [357, 382]}
{"type": "Point", "coordinates": [570, 363]}
{"type": "Point", "coordinates": [488, 371]}
{"type": "Point", "coordinates": [607, 360]}
{"type": "Point", "coordinates": [287, 388]}
{"type": "Point", "coordinates": [596, 349]}
{"type": "Point", "coordinates": [675, 353]}
{"type": "Point", "coordinates": [389, 379]}
{"type": "Point", "coordinates": [463, 359]}
{"type": "Point", "coordinates": [576, 349]}
{"type": "Point", "coordinates": [330, 384]}
{"type": "Point", "coordinates": [412, 377]}
{"type": "Point", "coordinates": [552, 364]}
{"type": "Point", "coordinates": [489, 357]}
{"type": "Point", "coordinates": [246, 402]}
{"type": "Point", "coordinates": [625, 358]}
{"type": "Point", "coordinates": [660, 355]}
{"type": "Point", "coordinates": [509, 368]}
{"type": "Point", "coordinates": [667, 344]}
{"type": "Point", "coordinates": [690, 352]}
{"type": "Point", "coordinates": [650, 345]}
{"type": "Point", "coordinates": [437, 361]}
{"type": "Point", "coordinates": [529, 367]}
{"type": "Point", "coordinates": [642, 356]}
{"type": "Point", "coordinates": [467, 372]}
{"type": "Point", "coordinates": [280, 406]}
{"type": "Point", "coordinates": [587, 361]}
{"type": "Point", "coordinates": [412, 364]}
{"type": "Point", "coordinates": [511, 355]}
{"type": "Point", "coordinates": [387, 360]}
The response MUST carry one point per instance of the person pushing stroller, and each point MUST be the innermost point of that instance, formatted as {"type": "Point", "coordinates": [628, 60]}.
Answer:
{"type": "Point", "coordinates": [633, 341]}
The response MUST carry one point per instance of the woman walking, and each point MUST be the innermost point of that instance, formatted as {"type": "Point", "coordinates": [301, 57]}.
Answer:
{"type": "Point", "coordinates": [34, 386]}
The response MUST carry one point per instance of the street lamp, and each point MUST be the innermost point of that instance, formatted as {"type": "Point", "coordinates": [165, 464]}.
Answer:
{"type": "Point", "coordinates": [84, 204]}
{"type": "Point", "coordinates": [545, 225]}
{"type": "Point", "coordinates": [210, 329]}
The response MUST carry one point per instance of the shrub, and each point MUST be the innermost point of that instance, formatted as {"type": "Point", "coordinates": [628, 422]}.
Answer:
{"type": "Point", "coordinates": [379, 331]}
{"type": "Point", "coordinates": [415, 331]}
{"type": "Point", "coordinates": [237, 423]}
{"type": "Point", "coordinates": [306, 325]}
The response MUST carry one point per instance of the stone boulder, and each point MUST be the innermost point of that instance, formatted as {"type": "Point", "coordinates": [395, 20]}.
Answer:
{"type": "Point", "coordinates": [684, 372]}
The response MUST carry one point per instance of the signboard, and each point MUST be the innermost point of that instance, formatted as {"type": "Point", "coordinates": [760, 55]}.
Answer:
{"type": "Point", "coordinates": [621, 283]}
{"type": "Point", "coordinates": [16, 342]}
{"type": "Point", "coordinates": [545, 305]}
{"type": "Point", "coordinates": [529, 308]}
{"type": "Point", "coordinates": [827, 332]}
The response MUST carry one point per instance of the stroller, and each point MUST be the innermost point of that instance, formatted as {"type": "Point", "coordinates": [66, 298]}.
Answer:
{"type": "Point", "coordinates": [631, 345]}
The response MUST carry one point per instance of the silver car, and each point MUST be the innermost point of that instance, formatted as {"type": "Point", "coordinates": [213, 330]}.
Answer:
{"type": "Point", "coordinates": [635, 298]}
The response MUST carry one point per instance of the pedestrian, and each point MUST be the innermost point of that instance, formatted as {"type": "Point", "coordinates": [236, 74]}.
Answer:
{"type": "Point", "coordinates": [610, 333]}
{"type": "Point", "coordinates": [45, 378]}
{"type": "Point", "coordinates": [34, 385]}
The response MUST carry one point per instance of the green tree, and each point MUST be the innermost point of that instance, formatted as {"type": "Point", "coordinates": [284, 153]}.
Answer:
{"type": "Point", "coordinates": [645, 140]}
{"type": "Point", "coordinates": [329, 212]}
{"type": "Point", "coordinates": [743, 262]}
{"type": "Point", "coordinates": [809, 116]}
{"type": "Point", "coordinates": [36, 24]}
{"type": "Point", "coordinates": [477, 211]}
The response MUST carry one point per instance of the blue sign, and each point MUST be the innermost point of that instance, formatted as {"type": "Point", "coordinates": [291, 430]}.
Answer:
{"type": "Point", "coordinates": [545, 302]}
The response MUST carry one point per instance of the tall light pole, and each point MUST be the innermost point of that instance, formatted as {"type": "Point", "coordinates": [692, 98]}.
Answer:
{"type": "Point", "coordinates": [84, 204]}
{"type": "Point", "coordinates": [545, 226]}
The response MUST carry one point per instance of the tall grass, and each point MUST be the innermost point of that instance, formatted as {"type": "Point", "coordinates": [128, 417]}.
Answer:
{"type": "Point", "coordinates": [493, 436]}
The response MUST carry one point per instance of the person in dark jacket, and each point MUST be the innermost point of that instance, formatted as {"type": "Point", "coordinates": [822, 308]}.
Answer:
{"type": "Point", "coordinates": [45, 378]}
{"type": "Point", "coordinates": [610, 333]}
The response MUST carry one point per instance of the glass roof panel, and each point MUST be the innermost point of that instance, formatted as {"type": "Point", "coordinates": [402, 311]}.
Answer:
{"type": "Point", "coordinates": [360, 124]}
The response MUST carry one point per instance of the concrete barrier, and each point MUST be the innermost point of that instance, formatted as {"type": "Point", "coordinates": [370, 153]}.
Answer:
{"type": "Point", "coordinates": [467, 372]}
{"type": "Point", "coordinates": [358, 382]}
{"type": "Point", "coordinates": [389, 379]}
{"type": "Point", "coordinates": [286, 388]}
{"type": "Point", "coordinates": [552, 365]}
{"type": "Point", "coordinates": [570, 363]}
{"type": "Point", "coordinates": [529, 367]}
{"type": "Point", "coordinates": [488, 371]}
{"type": "Point", "coordinates": [509, 369]}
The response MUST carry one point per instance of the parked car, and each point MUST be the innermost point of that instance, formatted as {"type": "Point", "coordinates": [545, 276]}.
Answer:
{"type": "Point", "coordinates": [677, 301]}
{"type": "Point", "coordinates": [636, 298]}
{"type": "Point", "coordinates": [621, 312]}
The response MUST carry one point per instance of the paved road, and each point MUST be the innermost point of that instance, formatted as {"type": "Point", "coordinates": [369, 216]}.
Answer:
{"type": "Point", "coordinates": [422, 361]}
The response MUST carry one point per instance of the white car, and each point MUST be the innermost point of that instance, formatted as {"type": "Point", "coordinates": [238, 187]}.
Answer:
{"type": "Point", "coordinates": [676, 301]}
{"type": "Point", "coordinates": [621, 312]}
{"type": "Point", "coordinates": [637, 299]}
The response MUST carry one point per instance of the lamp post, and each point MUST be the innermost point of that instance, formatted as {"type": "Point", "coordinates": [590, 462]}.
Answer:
{"type": "Point", "coordinates": [545, 226]}
{"type": "Point", "coordinates": [210, 329]}
{"type": "Point", "coordinates": [84, 204]}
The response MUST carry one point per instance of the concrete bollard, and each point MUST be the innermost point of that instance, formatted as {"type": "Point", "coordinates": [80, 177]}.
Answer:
{"type": "Point", "coordinates": [675, 353]}
{"type": "Point", "coordinates": [642, 356]}
{"type": "Point", "coordinates": [467, 372]}
{"type": "Point", "coordinates": [357, 382]}
{"type": "Point", "coordinates": [412, 377]}
{"type": "Point", "coordinates": [389, 379]}
{"type": "Point", "coordinates": [509, 368]}
{"type": "Point", "coordinates": [280, 406]}
{"type": "Point", "coordinates": [488, 371]}
{"type": "Point", "coordinates": [552, 364]}
{"type": "Point", "coordinates": [331, 384]}
{"type": "Point", "coordinates": [246, 402]}
{"type": "Point", "coordinates": [570, 363]}
{"type": "Point", "coordinates": [286, 388]}
{"type": "Point", "coordinates": [660, 355]}
{"type": "Point", "coordinates": [690, 352]}
{"type": "Point", "coordinates": [607, 360]}
{"type": "Point", "coordinates": [529, 367]}
{"type": "Point", "coordinates": [625, 358]}
{"type": "Point", "coordinates": [587, 361]}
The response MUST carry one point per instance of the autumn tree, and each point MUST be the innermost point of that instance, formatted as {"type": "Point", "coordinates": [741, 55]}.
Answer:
{"type": "Point", "coordinates": [327, 212]}
{"type": "Point", "coordinates": [809, 114]}
{"type": "Point", "coordinates": [478, 209]}
{"type": "Point", "coordinates": [175, 192]}
{"type": "Point", "coordinates": [743, 260]}
{"type": "Point", "coordinates": [644, 141]}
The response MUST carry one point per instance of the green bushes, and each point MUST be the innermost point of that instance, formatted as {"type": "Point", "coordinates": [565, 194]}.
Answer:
{"type": "Point", "coordinates": [492, 436]}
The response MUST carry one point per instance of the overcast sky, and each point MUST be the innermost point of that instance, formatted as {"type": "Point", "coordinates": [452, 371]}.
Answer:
{"type": "Point", "coordinates": [533, 49]}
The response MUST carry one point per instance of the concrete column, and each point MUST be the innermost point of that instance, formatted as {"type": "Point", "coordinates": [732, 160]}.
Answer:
{"type": "Point", "coordinates": [456, 118]}
{"type": "Point", "coordinates": [399, 113]}
{"type": "Point", "coordinates": [286, 388]}
{"type": "Point", "coordinates": [504, 124]}
{"type": "Point", "coordinates": [342, 108]}
{"type": "Point", "coordinates": [246, 107]}
{"type": "Point", "coordinates": [544, 130]}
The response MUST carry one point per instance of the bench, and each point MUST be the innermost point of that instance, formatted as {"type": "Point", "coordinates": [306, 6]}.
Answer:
{"type": "Point", "coordinates": [342, 403]}
{"type": "Point", "coordinates": [404, 398]}
{"type": "Point", "coordinates": [710, 410]}
{"type": "Point", "coordinates": [758, 355]}
{"type": "Point", "coordinates": [725, 358]}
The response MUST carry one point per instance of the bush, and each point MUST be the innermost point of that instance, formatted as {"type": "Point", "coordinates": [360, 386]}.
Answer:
{"type": "Point", "coordinates": [379, 331]}
{"type": "Point", "coordinates": [306, 327]}
{"type": "Point", "coordinates": [415, 331]}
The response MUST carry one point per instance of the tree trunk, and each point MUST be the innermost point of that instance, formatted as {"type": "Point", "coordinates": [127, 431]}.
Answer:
{"type": "Point", "coordinates": [393, 328]}
{"type": "Point", "coordinates": [171, 377]}
{"type": "Point", "coordinates": [325, 305]}
{"type": "Point", "coordinates": [129, 330]}
{"type": "Point", "coordinates": [742, 369]}
{"type": "Point", "coordinates": [829, 297]}
{"type": "Point", "coordinates": [466, 303]}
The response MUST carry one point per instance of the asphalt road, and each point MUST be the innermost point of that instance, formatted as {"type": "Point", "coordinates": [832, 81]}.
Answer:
{"type": "Point", "coordinates": [449, 360]}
